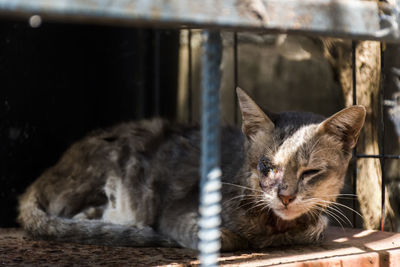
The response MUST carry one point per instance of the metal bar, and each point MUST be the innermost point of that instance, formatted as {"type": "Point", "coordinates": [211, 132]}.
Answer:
{"type": "Point", "coordinates": [156, 72]}
{"type": "Point", "coordinates": [140, 74]}
{"type": "Point", "coordinates": [354, 80]}
{"type": "Point", "coordinates": [336, 18]}
{"type": "Point", "coordinates": [209, 234]}
{"type": "Point", "coordinates": [382, 150]}
{"type": "Point", "coordinates": [394, 105]}
{"type": "Point", "coordinates": [190, 76]}
{"type": "Point", "coordinates": [378, 156]}
{"type": "Point", "coordinates": [235, 77]}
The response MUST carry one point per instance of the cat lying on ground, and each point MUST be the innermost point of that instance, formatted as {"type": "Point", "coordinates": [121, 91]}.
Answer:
{"type": "Point", "coordinates": [137, 184]}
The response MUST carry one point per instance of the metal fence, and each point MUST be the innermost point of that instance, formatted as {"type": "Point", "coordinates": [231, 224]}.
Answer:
{"type": "Point", "coordinates": [362, 20]}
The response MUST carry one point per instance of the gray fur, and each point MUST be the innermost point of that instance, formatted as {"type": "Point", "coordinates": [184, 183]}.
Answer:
{"type": "Point", "coordinates": [137, 184]}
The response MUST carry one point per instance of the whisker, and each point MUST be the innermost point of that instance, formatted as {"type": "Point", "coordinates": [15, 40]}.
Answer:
{"type": "Point", "coordinates": [332, 215]}
{"type": "Point", "coordinates": [334, 203]}
{"type": "Point", "coordinates": [344, 206]}
{"type": "Point", "coordinates": [230, 203]}
{"type": "Point", "coordinates": [325, 204]}
{"type": "Point", "coordinates": [258, 204]}
{"type": "Point", "coordinates": [335, 217]}
{"type": "Point", "coordinates": [314, 213]}
{"type": "Point", "coordinates": [251, 203]}
{"type": "Point", "coordinates": [341, 195]}
{"type": "Point", "coordinates": [267, 207]}
{"type": "Point", "coordinates": [244, 187]}
{"type": "Point", "coordinates": [243, 196]}
{"type": "Point", "coordinates": [341, 213]}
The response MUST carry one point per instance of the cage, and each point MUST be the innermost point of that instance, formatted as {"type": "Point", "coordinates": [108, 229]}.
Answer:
{"type": "Point", "coordinates": [156, 72]}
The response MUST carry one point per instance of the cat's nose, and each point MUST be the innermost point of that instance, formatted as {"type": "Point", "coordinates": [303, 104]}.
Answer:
{"type": "Point", "coordinates": [286, 199]}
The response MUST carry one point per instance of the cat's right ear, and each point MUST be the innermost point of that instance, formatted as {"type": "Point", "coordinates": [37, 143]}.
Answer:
{"type": "Point", "coordinates": [254, 120]}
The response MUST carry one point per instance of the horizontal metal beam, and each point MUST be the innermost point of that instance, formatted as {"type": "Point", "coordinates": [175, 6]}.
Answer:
{"type": "Point", "coordinates": [337, 18]}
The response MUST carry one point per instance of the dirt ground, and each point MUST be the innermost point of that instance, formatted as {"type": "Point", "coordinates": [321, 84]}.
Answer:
{"type": "Point", "coordinates": [350, 247]}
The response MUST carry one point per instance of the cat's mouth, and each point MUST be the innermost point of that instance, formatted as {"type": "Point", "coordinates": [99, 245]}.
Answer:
{"type": "Point", "coordinates": [287, 213]}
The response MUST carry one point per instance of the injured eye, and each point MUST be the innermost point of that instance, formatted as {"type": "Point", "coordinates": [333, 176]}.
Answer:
{"type": "Point", "coordinates": [264, 166]}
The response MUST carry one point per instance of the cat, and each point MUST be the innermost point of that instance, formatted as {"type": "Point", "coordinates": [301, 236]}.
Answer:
{"type": "Point", "coordinates": [137, 184]}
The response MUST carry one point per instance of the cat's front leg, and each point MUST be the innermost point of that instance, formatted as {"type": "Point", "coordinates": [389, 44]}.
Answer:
{"type": "Point", "coordinates": [180, 226]}
{"type": "Point", "coordinates": [312, 234]}
{"type": "Point", "coordinates": [281, 239]}
{"type": "Point", "coordinates": [183, 228]}
{"type": "Point", "coordinates": [231, 241]}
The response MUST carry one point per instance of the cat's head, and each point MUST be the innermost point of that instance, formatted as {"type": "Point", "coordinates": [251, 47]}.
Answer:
{"type": "Point", "coordinates": [298, 161]}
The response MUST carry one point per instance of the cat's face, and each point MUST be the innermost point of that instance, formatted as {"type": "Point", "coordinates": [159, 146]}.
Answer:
{"type": "Point", "coordinates": [302, 172]}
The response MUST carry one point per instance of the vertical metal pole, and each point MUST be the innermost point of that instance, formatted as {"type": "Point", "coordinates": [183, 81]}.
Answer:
{"type": "Point", "coordinates": [190, 75]}
{"type": "Point", "coordinates": [157, 68]}
{"type": "Point", "coordinates": [235, 77]}
{"type": "Point", "coordinates": [209, 234]}
{"type": "Point", "coordinates": [382, 146]}
{"type": "Point", "coordinates": [354, 76]}
{"type": "Point", "coordinates": [140, 75]}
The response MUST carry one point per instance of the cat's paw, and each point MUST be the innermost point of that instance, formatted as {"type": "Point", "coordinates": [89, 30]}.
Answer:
{"type": "Point", "coordinates": [89, 214]}
{"type": "Point", "coordinates": [231, 241]}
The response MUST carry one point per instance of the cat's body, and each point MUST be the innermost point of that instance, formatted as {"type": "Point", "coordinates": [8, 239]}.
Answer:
{"type": "Point", "coordinates": [137, 184]}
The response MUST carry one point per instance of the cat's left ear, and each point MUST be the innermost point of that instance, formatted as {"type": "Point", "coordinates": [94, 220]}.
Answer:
{"type": "Point", "coordinates": [254, 120]}
{"type": "Point", "coordinates": [345, 125]}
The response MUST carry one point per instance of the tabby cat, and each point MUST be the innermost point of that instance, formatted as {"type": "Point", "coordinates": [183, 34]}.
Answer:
{"type": "Point", "coordinates": [137, 184]}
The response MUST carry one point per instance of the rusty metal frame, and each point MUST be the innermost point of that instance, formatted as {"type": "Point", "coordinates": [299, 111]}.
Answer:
{"type": "Point", "coordinates": [337, 18]}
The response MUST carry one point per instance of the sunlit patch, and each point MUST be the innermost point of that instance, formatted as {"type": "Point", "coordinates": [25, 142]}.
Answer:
{"type": "Point", "coordinates": [363, 234]}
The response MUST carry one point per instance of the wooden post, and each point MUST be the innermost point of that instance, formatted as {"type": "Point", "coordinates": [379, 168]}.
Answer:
{"type": "Point", "coordinates": [369, 175]}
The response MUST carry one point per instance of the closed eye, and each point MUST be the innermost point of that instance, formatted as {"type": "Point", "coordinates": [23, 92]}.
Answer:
{"type": "Point", "coordinates": [309, 173]}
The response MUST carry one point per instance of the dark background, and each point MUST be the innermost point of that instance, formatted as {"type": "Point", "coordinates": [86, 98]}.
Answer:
{"type": "Point", "coordinates": [59, 81]}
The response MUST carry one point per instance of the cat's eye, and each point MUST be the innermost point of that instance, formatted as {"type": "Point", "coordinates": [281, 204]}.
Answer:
{"type": "Point", "coordinates": [264, 167]}
{"type": "Point", "coordinates": [309, 173]}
